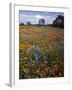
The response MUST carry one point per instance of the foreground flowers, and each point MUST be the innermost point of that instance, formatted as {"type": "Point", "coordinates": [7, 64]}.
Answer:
{"type": "Point", "coordinates": [34, 63]}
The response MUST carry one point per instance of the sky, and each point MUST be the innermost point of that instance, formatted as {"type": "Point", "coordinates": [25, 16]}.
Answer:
{"type": "Point", "coordinates": [34, 16]}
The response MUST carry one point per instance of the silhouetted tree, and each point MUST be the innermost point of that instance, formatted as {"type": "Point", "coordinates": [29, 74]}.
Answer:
{"type": "Point", "coordinates": [28, 23]}
{"type": "Point", "coordinates": [59, 21]}
{"type": "Point", "coordinates": [22, 24]}
{"type": "Point", "coordinates": [49, 24]}
{"type": "Point", "coordinates": [41, 22]}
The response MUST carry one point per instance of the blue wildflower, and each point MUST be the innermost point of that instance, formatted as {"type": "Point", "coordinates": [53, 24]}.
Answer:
{"type": "Point", "coordinates": [29, 62]}
{"type": "Point", "coordinates": [36, 58]}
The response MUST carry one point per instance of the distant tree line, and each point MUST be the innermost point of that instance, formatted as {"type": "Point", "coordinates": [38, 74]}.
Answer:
{"type": "Point", "coordinates": [58, 22]}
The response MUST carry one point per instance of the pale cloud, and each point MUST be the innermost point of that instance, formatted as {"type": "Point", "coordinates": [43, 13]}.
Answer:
{"type": "Point", "coordinates": [39, 16]}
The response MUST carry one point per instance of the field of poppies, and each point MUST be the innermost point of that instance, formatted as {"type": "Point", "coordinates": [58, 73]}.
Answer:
{"type": "Point", "coordinates": [41, 52]}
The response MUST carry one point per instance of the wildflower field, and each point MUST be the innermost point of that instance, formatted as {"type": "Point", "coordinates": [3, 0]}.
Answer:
{"type": "Point", "coordinates": [41, 52]}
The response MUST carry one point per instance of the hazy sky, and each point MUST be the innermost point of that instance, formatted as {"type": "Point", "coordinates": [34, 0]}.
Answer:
{"type": "Point", "coordinates": [34, 16]}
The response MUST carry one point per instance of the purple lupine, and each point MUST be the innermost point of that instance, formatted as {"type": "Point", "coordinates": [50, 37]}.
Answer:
{"type": "Point", "coordinates": [26, 74]}
{"type": "Point", "coordinates": [28, 51]}
{"type": "Point", "coordinates": [46, 49]}
{"type": "Point", "coordinates": [36, 58]}
{"type": "Point", "coordinates": [45, 59]}
{"type": "Point", "coordinates": [29, 62]}
{"type": "Point", "coordinates": [38, 49]}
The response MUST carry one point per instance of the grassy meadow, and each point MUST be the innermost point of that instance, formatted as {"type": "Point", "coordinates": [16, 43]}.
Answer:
{"type": "Point", "coordinates": [41, 52]}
